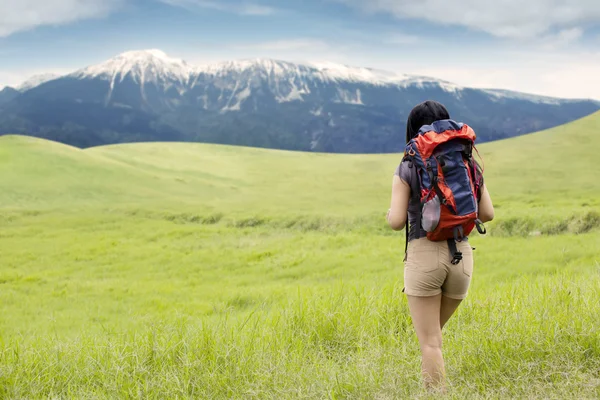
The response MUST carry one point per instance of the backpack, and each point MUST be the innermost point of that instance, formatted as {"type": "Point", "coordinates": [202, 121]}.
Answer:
{"type": "Point", "coordinates": [448, 183]}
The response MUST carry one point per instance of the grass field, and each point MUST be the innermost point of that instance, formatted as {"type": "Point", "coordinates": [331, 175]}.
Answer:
{"type": "Point", "coordinates": [198, 271]}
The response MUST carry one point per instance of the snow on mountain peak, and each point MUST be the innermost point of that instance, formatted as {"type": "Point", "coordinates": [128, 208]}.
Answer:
{"type": "Point", "coordinates": [252, 65]}
{"type": "Point", "coordinates": [145, 53]}
{"type": "Point", "coordinates": [323, 71]}
{"type": "Point", "coordinates": [142, 66]}
{"type": "Point", "coordinates": [326, 71]}
{"type": "Point", "coordinates": [333, 71]}
{"type": "Point", "coordinates": [35, 81]}
{"type": "Point", "coordinates": [156, 66]}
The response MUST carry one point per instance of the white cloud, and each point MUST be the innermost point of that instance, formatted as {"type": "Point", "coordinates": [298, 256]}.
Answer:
{"type": "Point", "coordinates": [21, 15]}
{"type": "Point", "coordinates": [256, 9]}
{"type": "Point", "coordinates": [402, 39]}
{"type": "Point", "coordinates": [241, 8]}
{"type": "Point", "coordinates": [287, 45]}
{"type": "Point", "coordinates": [562, 38]}
{"type": "Point", "coordinates": [503, 18]}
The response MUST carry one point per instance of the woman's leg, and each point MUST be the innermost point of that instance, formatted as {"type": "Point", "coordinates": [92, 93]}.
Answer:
{"type": "Point", "coordinates": [458, 280]}
{"type": "Point", "coordinates": [447, 309]}
{"type": "Point", "coordinates": [425, 313]}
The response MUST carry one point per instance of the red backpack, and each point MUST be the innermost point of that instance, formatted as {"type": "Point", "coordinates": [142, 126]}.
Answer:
{"type": "Point", "coordinates": [448, 182]}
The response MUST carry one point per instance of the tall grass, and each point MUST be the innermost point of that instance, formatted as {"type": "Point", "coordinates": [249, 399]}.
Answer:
{"type": "Point", "coordinates": [101, 306]}
{"type": "Point", "coordinates": [530, 338]}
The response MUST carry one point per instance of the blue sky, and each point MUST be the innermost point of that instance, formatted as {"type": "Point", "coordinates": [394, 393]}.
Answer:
{"type": "Point", "coordinates": [547, 47]}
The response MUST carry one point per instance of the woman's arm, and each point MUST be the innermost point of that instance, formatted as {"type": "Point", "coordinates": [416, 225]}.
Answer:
{"type": "Point", "coordinates": [396, 216]}
{"type": "Point", "coordinates": [486, 208]}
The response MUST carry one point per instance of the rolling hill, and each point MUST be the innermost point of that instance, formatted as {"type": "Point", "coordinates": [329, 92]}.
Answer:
{"type": "Point", "coordinates": [549, 171]}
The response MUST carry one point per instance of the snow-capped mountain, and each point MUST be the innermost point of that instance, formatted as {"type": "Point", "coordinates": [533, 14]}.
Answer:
{"type": "Point", "coordinates": [146, 79]}
{"type": "Point", "coordinates": [142, 66]}
{"type": "Point", "coordinates": [236, 82]}
{"type": "Point", "coordinates": [146, 95]}
{"type": "Point", "coordinates": [36, 81]}
{"type": "Point", "coordinates": [322, 72]}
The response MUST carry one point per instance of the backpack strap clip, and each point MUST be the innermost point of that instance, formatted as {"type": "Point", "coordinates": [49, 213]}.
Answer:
{"type": "Point", "coordinates": [480, 227]}
{"type": "Point", "coordinates": [456, 255]}
{"type": "Point", "coordinates": [459, 236]}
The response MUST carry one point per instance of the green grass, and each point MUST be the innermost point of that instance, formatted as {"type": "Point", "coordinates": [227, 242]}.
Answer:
{"type": "Point", "coordinates": [198, 271]}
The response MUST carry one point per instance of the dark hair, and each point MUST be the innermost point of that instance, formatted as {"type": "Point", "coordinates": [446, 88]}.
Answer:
{"type": "Point", "coordinates": [425, 113]}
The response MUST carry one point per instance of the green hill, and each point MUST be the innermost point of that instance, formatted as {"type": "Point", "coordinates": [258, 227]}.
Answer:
{"type": "Point", "coordinates": [551, 171]}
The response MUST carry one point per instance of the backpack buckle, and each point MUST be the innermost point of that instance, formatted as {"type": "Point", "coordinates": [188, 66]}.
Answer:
{"type": "Point", "coordinates": [457, 258]}
{"type": "Point", "coordinates": [480, 227]}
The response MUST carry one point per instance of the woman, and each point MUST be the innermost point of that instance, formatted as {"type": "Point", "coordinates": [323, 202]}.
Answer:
{"type": "Point", "coordinates": [433, 285]}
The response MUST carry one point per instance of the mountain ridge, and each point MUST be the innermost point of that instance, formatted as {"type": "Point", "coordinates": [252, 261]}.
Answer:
{"type": "Point", "coordinates": [149, 96]}
{"type": "Point", "coordinates": [329, 70]}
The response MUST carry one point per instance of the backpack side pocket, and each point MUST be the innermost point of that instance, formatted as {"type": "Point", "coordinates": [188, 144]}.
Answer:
{"type": "Point", "coordinates": [430, 215]}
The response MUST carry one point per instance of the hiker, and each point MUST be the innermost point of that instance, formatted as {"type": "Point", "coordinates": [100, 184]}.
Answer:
{"type": "Point", "coordinates": [438, 194]}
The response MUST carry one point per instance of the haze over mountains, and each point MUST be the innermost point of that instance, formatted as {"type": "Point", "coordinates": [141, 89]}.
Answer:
{"type": "Point", "coordinates": [148, 96]}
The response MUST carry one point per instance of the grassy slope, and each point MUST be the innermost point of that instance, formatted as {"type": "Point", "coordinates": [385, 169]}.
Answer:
{"type": "Point", "coordinates": [550, 169]}
{"type": "Point", "coordinates": [38, 174]}
{"type": "Point", "coordinates": [526, 170]}
{"type": "Point", "coordinates": [114, 282]}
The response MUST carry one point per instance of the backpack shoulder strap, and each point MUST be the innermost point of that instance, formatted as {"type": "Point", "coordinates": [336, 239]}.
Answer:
{"type": "Point", "coordinates": [415, 195]}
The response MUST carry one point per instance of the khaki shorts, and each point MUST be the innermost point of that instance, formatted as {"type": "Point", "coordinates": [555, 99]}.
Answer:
{"type": "Point", "coordinates": [428, 270]}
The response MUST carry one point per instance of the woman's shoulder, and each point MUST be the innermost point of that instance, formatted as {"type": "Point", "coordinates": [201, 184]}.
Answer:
{"type": "Point", "coordinates": [403, 171]}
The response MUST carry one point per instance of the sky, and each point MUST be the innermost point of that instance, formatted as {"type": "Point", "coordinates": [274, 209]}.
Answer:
{"type": "Point", "coordinates": [547, 47]}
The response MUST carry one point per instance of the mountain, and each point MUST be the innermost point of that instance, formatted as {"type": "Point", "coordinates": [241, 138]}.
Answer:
{"type": "Point", "coordinates": [149, 96]}
{"type": "Point", "coordinates": [8, 94]}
